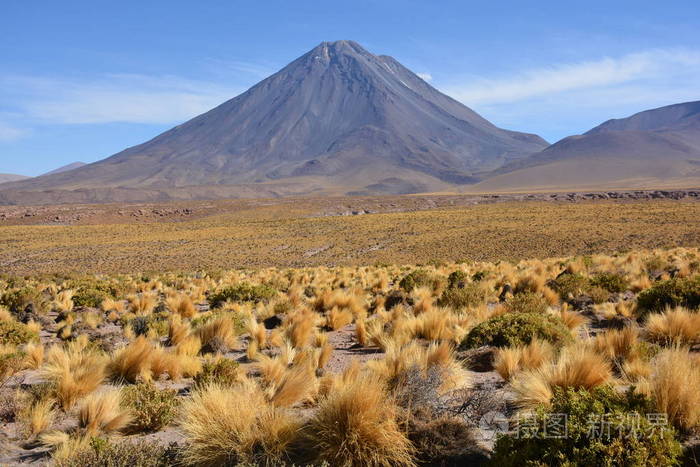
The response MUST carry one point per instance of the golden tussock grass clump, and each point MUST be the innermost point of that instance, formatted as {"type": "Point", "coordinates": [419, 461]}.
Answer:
{"type": "Point", "coordinates": [338, 318]}
{"type": "Point", "coordinates": [110, 305]}
{"type": "Point", "coordinates": [142, 304]}
{"type": "Point", "coordinates": [617, 344]}
{"type": "Point", "coordinates": [63, 445]}
{"type": "Point", "coordinates": [571, 319]}
{"type": "Point", "coordinates": [132, 362]}
{"type": "Point", "coordinates": [257, 332]}
{"type": "Point", "coordinates": [677, 325]}
{"type": "Point", "coordinates": [510, 360]}
{"type": "Point", "coordinates": [399, 360]}
{"type": "Point", "coordinates": [64, 301]}
{"type": "Point", "coordinates": [75, 370]}
{"type": "Point", "coordinates": [143, 361]}
{"type": "Point", "coordinates": [297, 383]}
{"type": "Point", "coordinates": [34, 355]}
{"type": "Point", "coordinates": [576, 367]}
{"type": "Point", "coordinates": [356, 425]}
{"type": "Point", "coordinates": [177, 330]}
{"type": "Point", "coordinates": [673, 386]}
{"type": "Point", "coordinates": [218, 334]}
{"type": "Point", "coordinates": [182, 305]}
{"type": "Point", "coordinates": [299, 327]}
{"type": "Point", "coordinates": [228, 426]}
{"type": "Point", "coordinates": [102, 413]}
{"type": "Point", "coordinates": [39, 417]}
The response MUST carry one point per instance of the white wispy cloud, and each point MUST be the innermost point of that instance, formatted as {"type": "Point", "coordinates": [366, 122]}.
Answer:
{"type": "Point", "coordinates": [112, 98]}
{"type": "Point", "coordinates": [595, 74]}
{"type": "Point", "coordinates": [10, 133]}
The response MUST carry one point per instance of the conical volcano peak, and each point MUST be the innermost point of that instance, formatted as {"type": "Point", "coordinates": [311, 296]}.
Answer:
{"type": "Point", "coordinates": [336, 120]}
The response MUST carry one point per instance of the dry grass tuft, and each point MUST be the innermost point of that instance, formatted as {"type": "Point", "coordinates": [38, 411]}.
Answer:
{"type": "Point", "coordinates": [102, 413]}
{"type": "Point", "coordinates": [75, 370]}
{"type": "Point", "coordinates": [230, 426]}
{"type": "Point", "coordinates": [576, 367]}
{"type": "Point", "coordinates": [674, 387]}
{"type": "Point", "coordinates": [678, 325]}
{"type": "Point", "coordinates": [356, 425]}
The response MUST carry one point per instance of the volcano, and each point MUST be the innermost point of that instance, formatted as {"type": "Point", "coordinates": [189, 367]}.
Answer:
{"type": "Point", "coordinates": [337, 120]}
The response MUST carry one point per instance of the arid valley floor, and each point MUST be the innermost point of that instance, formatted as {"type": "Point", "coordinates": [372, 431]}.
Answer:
{"type": "Point", "coordinates": [352, 331]}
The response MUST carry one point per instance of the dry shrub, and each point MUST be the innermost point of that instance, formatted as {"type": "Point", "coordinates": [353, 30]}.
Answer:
{"type": "Point", "coordinates": [75, 370]}
{"type": "Point", "coordinates": [576, 367]}
{"type": "Point", "coordinates": [228, 426]}
{"type": "Point", "coordinates": [356, 425]}
{"type": "Point", "coordinates": [677, 325]}
{"type": "Point", "coordinates": [102, 413]}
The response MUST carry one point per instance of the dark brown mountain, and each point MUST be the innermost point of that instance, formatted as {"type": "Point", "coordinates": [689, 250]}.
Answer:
{"type": "Point", "coordinates": [656, 148]}
{"type": "Point", "coordinates": [336, 120]}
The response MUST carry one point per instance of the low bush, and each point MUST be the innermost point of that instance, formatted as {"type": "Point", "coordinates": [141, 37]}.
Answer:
{"type": "Point", "coordinates": [444, 441]}
{"type": "Point", "coordinates": [242, 292]}
{"type": "Point", "coordinates": [602, 427]}
{"type": "Point", "coordinates": [15, 333]}
{"type": "Point", "coordinates": [670, 293]}
{"type": "Point", "coordinates": [458, 298]}
{"type": "Point", "coordinates": [222, 371]}
{"type": "Point", "coordinates": [16, 300]}
{"type": "Point", "coordinates": [151, 408]}
{"type": "Point", "coordinates": [420, 278]}
{"type": "Point", "coordinates": [570, 285]}
{"type": "Point", "coordinates": [106, 453]}
{"type": "Point", "coordinates": [527, 302]}
{"type": "Point", "coordinates": [457, 278]}
{"type": "Point", "coordinates": [612, 282]}
{"type": "Point", "coordinates": [511, 329]}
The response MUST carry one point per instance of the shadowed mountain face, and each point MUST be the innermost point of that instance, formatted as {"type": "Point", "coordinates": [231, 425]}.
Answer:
{"type": "Point", "coordinates": [654, 148]}
{"type": "Point", "coordinates": [336, 120]}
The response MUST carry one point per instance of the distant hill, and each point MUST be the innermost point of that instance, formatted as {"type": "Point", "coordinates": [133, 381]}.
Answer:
{"type": "Point", "coordinates": [337, 120]}
{"type": "Point", "coordinates": [4, 178]}
{"type": "Point", "coordinates": [66, 168]}
{"type": "Point", "coordinates": [652, 149]}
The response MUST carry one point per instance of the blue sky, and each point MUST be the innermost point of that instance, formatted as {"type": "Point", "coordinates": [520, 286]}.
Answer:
{"type": "Point", "coordinates": [81, 80]}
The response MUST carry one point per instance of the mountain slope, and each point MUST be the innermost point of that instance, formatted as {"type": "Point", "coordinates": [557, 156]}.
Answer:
{"type": "Point", "coordinates": [652, 149]}
{"type": "Point", "coordinates": [66, 168]}
{"type": "Point", "coordinates": [5, 178]}
{"type": "Point", "coordinates": [338, 119]}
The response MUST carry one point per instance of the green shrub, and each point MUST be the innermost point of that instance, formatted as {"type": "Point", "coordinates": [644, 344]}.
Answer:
{"type": "Point", "coordinates": [511, 329]}
{"type": "Point", "coordinates": [242, 292]}
{"type": "Point", "coordinates": [16, 300]}
{"type": "Point", "coordinates": [151, 407]}
{"type": "Point", "coordinates": [15, 333]}
{"type": "Point", "coordinates": [221, 371]}
{"type": "Point", "coordinates": [670, 293]}
{"type": "Point", "coordinates": [420, 278]}
{"type": "Point", "coordinates": [613, 283]}
{"type": "Point", "coordinates": [527, 302]}
{"type": "Point", "coordinates": [107, 453]}
{"type": "Point", "coordinates": [457, 277]}
{"type": "Point", "coordinates": [570, 285]}
{"type": "Point", "coordinates": [468, 296]}
{"type": "Point", "coordinates": [88, 297]}
{"type": "Point", "coordinates": [603, 428]}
